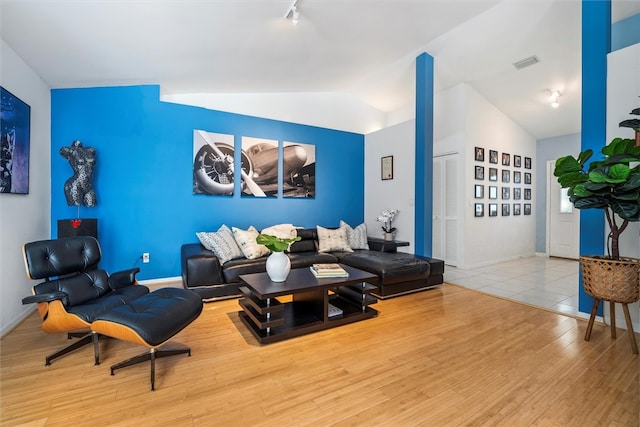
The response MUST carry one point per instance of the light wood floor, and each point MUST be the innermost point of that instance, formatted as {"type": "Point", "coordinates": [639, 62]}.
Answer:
{"type": "Point", "coordinates": [445, 357]}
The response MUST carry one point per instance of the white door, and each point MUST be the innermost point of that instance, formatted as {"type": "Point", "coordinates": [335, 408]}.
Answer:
{"type": "Point", "coordinates": [563, 220]}
{"type": "Point", "coordinates": [445, 208]}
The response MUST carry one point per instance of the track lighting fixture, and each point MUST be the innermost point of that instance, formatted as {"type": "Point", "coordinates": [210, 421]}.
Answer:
{"type": "Point", "coordinates": [293, 13]}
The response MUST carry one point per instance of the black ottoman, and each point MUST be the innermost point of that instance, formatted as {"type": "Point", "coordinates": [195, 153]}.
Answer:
{"type": "Point", "coordinates": [151, 320]}
{"type": "Point", "coordinates": [398, 273]}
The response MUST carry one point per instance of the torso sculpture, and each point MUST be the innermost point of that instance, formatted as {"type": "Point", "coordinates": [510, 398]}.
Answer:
{"type": "Point", "coordinates": [78, 189]}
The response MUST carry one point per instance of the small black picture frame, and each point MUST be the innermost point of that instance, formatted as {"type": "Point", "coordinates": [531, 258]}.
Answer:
{"type": "Point", "coordinates": [506, 175]}
{"type": "Point", "coordinates": [386, 167]}
{"type": "Point", "coordinates": [506, 207]}
{"type": "Point", "coordinates": [527, 162]}
{"type": "Point", "coordinates": [493, 209]}
{"type": "Point", "coordinates": [517, 193]}
{"type": "Point", "coordinates": [517, 162]}
{"type": "Point", "coordinates": [527, 194]}
{"type": "Point", "coordinates": [478, 210]}
{"type": "Point", "coordinates": [493, 156]}
{"type": "Point", "coordinates": [517, 177]}
{"type": "Point", "coordinates": [479, 154]}
{"type": "Point", "coordinates": [478, 191]}
{"type": "Point", "coordinates": [516, 209]}
{"type": "Point", "coordinates": [493, 174]}
{"type": "Point", "coordinates": [493, 192]}
{"type": "Point", "coordinates": [527, 208]}
{"type": "Point", "coordinates": [506, 193]}
{"type": "Point", "coordinates": [506, 159]}
{"type": "Point", "coordinates": [527, 178]}
{"type": "Point", "coordinates": [479, 173]}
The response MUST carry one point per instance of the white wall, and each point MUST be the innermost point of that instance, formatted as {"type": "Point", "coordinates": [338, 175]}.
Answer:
{"type": "Point", "coordinates": [489, 240]}
{"type": "Point", "coordinates": [397, 193]}
{"type": "Point", "coordinates": [463, 119]}
{"type": "Point", "coordinates": [340, 111]}
{"type": "Point", "coordinates": [24, 218]}
{"type": "Point", "coordinates": [623, 95]}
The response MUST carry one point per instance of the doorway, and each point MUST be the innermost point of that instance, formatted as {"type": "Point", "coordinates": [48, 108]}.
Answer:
{"type": "Point", "coordinates": [563, 220]}
{"type": "Point", "coordinates": [445, 208]}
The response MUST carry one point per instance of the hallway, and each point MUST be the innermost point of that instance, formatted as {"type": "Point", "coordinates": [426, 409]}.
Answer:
{"type": "Point", "coordinates": [551, 283]}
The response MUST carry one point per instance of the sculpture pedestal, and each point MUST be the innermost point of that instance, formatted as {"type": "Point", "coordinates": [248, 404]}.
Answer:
{"type": "Point", "coordinates": [78, 227]}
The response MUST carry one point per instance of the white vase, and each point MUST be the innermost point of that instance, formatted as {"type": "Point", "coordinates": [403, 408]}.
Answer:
{"type": "Point", "coordinates": [278, 266]}
{"type": "Point", "coordinates": [388, 236]}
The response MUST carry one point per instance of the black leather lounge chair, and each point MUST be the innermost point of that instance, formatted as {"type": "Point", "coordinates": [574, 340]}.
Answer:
{"type": "Point", "coordinates": [75, 292]}
{"type": "Point", "coordinates": [76, 295]}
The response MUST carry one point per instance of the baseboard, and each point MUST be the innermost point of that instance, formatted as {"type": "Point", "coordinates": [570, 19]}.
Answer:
{"type": "Point", "coordinates": [19, 319]}
{"type": "Point", "coordinates": [165, 282]}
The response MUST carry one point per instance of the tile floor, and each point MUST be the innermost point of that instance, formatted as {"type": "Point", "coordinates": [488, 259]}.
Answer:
{"type": "Point", "coordinates": [546, 282]}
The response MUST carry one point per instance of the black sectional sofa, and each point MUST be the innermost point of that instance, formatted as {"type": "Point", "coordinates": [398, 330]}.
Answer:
{"type": "Point", "coordinates": [398, 273]}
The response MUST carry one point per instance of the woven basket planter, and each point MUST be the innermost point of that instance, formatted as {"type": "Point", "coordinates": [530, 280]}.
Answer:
{"type": "Point", "coordinates": [609, 280]}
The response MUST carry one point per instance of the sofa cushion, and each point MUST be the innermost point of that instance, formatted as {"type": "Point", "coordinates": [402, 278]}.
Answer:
{"type": "Point", "coordinates": [390, 267]}
{"type": "Point", "coordinates": [221, 243]}
{"type": "Point", "coordinates": [308, 242]}
{"type": "Point", "coordinates": [246, 240]}
{"type": "Point", "coordinates": [357, 237]}
{"type": "Point", "coordinates": [330, 240]}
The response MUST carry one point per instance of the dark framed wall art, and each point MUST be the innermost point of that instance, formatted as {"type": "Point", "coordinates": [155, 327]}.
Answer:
{"type": "Point", "coordinates": [386, 167]}
{"type": "Point", "coordinates": [507, 174]}
{"type": "Point", "coordinates": [15, 131]}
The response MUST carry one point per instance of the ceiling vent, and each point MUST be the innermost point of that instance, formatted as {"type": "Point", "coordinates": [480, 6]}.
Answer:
{"type": "Point", "coordinates": [526, 62]}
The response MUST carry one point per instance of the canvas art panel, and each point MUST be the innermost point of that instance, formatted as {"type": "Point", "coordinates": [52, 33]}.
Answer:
{"type": "Point", "coordinates": [299, 170]}
{"type": "Point", "coordinates": [15, 128]}
{"type": "Point", "coordinates": [262, 178]}
{"type": "Point", "coordinates": [213, 163]}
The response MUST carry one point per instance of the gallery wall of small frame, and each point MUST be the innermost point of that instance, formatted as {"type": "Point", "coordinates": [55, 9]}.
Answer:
{"type": "Point", "coordinates": [515, 177]}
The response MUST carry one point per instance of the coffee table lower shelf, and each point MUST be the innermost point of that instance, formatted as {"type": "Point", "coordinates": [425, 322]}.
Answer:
{"type": "Point", "coordinates": [294, 320]}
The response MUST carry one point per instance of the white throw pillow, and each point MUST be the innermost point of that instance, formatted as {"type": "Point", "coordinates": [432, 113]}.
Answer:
{"type": "Point", "coordinates": [246, 240]}
{"type": "Point", "coordinates": [221, 243]}
{"type": "Point", "coordinates": [333, 240]}
{"type": "Point", "coordinates": [357, 237]}
{"type": "Point", "coordinates": [285, 231]}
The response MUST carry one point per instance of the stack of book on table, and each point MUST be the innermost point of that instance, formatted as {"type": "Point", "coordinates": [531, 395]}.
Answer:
{"type": "Point", "coordinates": [328, 270]}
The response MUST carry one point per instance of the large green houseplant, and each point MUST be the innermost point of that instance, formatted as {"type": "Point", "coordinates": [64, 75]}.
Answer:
{"type": "Point", "coordinates": [611, 184]}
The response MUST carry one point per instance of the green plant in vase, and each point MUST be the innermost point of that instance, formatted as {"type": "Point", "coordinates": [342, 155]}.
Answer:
{"type": "Point", "coordinates": [274, 243]}
{"type": "Point", "coordinates": [278, 263]}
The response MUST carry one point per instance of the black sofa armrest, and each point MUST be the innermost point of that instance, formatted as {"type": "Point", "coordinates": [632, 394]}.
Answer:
{"type": "Point", "coordinates": [48, 297]}
{"type": "Point", "coordinates": [200, 266]}
{"type": "Point", "coordinates": [124, 278]}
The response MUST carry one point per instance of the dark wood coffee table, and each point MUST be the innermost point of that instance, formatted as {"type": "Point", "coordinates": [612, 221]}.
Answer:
{"type": "Point", "coordinates": [308, 311]}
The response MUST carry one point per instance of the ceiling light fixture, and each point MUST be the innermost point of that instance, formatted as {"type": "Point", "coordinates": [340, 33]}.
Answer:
{"type": "Point", "coordinates": [293, 13]}
{"type": "Point", "coordinates": [554, 97]}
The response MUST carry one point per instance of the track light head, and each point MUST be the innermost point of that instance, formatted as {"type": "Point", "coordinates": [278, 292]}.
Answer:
{"type": "Point", "coordinates": [293, 13]}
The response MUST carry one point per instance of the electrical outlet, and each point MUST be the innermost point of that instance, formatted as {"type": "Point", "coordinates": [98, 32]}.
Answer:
{"type": "Point", "coordinates": [145, 257]}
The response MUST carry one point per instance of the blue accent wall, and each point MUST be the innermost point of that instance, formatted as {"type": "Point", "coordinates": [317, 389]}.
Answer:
{"type": "Point", "coordinates": [596, 44]}
{"type": "Point", "coordinates": [424, 156]}
{"type": "Point", "coordinates": [144, 174]}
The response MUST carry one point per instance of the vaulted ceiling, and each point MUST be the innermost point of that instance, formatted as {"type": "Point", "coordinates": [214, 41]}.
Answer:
{"type": "Point", "coordinates": [365, 48]}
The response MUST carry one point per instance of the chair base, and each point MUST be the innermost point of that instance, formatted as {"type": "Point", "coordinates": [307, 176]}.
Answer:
{"type": "Point", "coordinates": [152, 355]}
{"type": "Point", "coordinates": [627, 318]}
{"type": "Point", "coordinates": [85, 338]}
